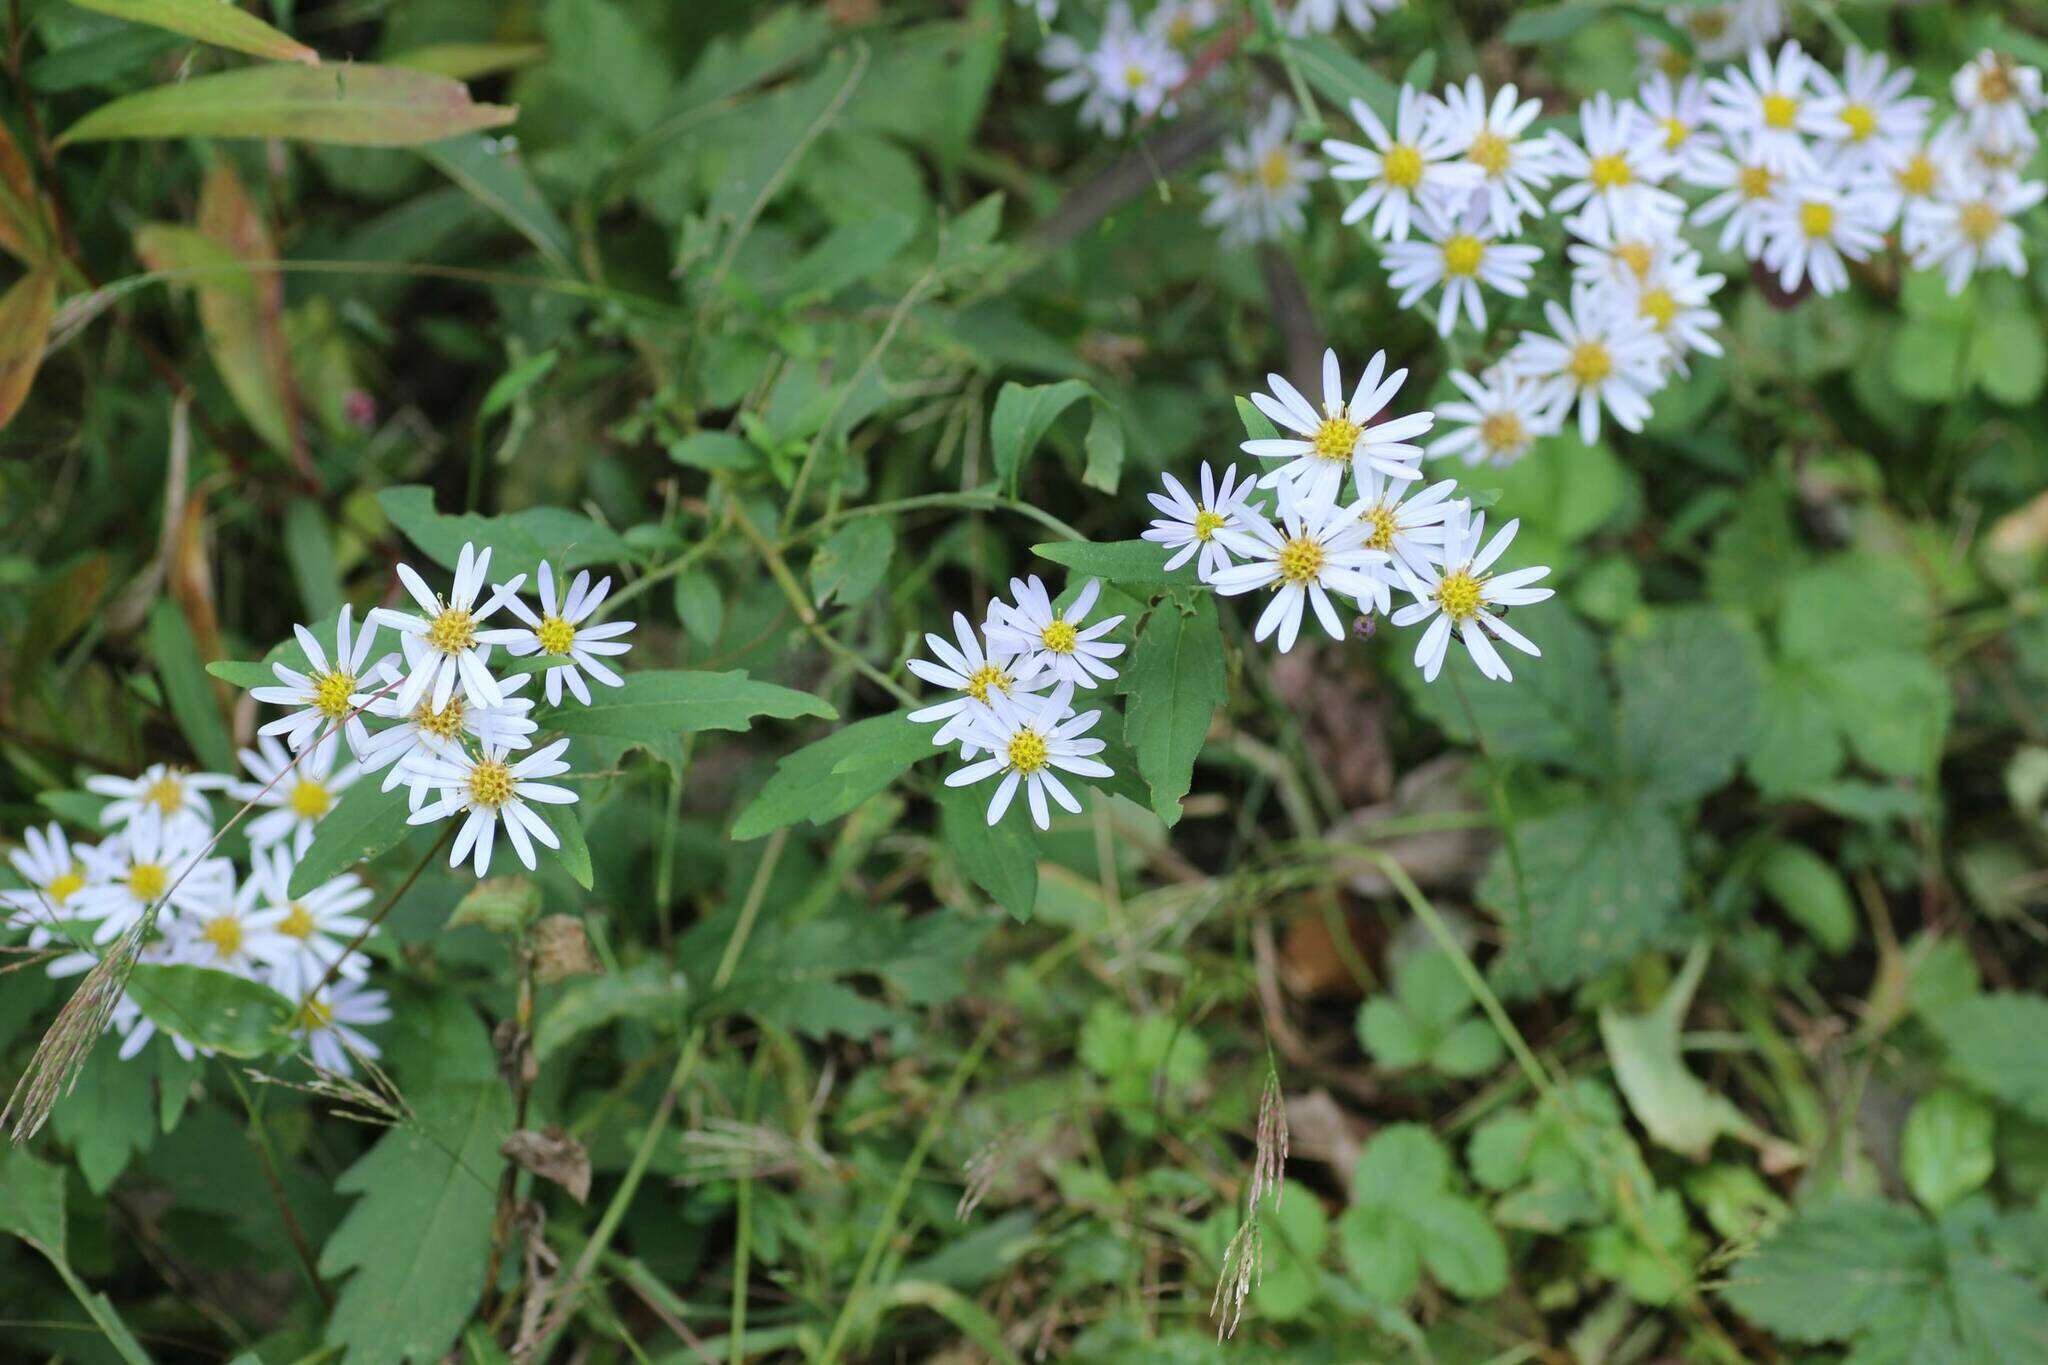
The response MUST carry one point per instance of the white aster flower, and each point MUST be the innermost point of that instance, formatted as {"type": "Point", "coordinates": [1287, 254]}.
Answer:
{"type": "Point", "coordinates": [1991, 154]}
{"type": "Point", "coordinates": [1614, 177]}
{"type": "Point", "coordinates": [1975, 231]}
{"type": "Point", "coordinates": [1463, 597]}
{"type": "Point", "coordinates": [300, 939]}
{"type": "Point", "coordinates": [219, 935]}
{"type": "Point", "coordinates": [1415, 165]}
{"type": "Point", "coordinates": [448, 652]}
{"type": "Point", "coordinates": [1305, 17]}
{"type": "Point", "coordinates": [1999, 97]}
{"type": "Point", "coordinates": [1814, 229]}
{"type": "Point", "coordinates": [1259, 194]}
{"type": "Point", "coordinates": [1180, 22]}
{"type": "Point", "coordinates": [1675, 301]}
{"type": "Point", "coordinates": [1045, 639]}
{"type": "Point", "coordinates": [975, 670]}
{"type": "Point", "coordinates": [1189, 526]}
{"type": "Point", "coordinates": [330, 1024]}
{"type": "Point", "coordinates": [1766, 103]}
{"type": "Point", "coordinates": [424, 731]}
{"type": "Point", "coordinates": [172, 795]}
{"type": "Point", "coordinates": [53, 871]}
{"type": "Point", "coordinates": [296, 799]}
{"type": "Point", "coordinates": [1343, 436]}
{"type": "Point", "coordinates": [1748, 185]}
{"type": "Point", "coordinates": [1405, 525]}
{"type": "Point", "coordinates": [1605, 256]}
{"type": "Point", "coordinates": [1030, 745]}
{"type": "Point", "coordinates": [1599, 358]}
{"type": "Point", "coordinates": [1867, 108]}
{"type": "Point", "coordinates": [1129, 69]}
{"type": "Point", "coordinates": [490, 787]}
{"type": "Point", "coordinates": [1718, 32]}
{"type": "Point", "coordinates": [331, 693]}
{"type": "Point", "coordinates": [1677, 109]}
{"type": "Point", "coordinates": [1318, 548]}
{"type": "Point", "coordinates": [1489, 137]}
{"type": "Point", "coordinates": [559, 631]}
{"type": "Point", "coordinates": [1499, 422]}
{"type": "Point", "coordinates": [1458, 258]}
{"type": "Point", "coordinates": [146, 863]}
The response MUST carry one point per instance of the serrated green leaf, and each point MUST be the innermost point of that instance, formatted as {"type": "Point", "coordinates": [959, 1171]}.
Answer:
{"type": "Point", "coordinates": [1690, 700]}
{"type": "Point", "coordinates": [825, 780]}
{"type": "Point", "coordinates": [364, 823]}
{"type": "Point", "coordinates": [655, 706]}
{"type": "Point", "coordinates": [354, 105]}
{"type": "Point", "coordinates": [1131, 563]}
{"type": "Point", "coordinates": [1001, 859]}
{"type": "Point", "coordinates": [1558, 710]}
{"type": "Point", "coordinates": [1994, 1043]}
{"type": "Point", "coordinates": [1172, 688]}
{"type": "Point", "coordinates": [1404, 1217]}
{"type": "Point", "coordinates": [518, 540]}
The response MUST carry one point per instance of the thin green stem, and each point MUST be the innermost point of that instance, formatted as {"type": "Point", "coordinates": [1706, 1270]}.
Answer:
{"type": "Point", "coordinates": [971, 500]}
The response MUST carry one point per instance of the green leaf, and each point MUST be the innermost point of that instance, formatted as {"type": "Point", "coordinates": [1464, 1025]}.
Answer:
{"type": "Point", "coordinates": [1690, 693]}
{"type": "Point", "coordinates": [1675, 1107]}
{"type": "Point", "coordinates": [1946, 1151]}
{"type": "Point", "coordinates": [2009, 358]}
{"type": "Point", "coordinates": [1404, 1218]}
{"type": "Point", "coordinates": [650, 991]}
{"type": "Point", "coordinates": [1556, 711]}
{"type": "Point", "coordinates": [1022, 415]}
{"type": "Point", "coordinates": [1295, 1233]}
{"type": "Point", "coordinates": [714, 451]}
{"type": "Point", "coordinates": [1550, 23]}
{"type": "Point", "coordinates": [1994, 1043]}
{"type": "Point", "coordinates": [467, 61]}
{"type": "Point", "coordinates": [700, 605]}
{"type": "Point", "coordinates": [1841, 1272]}
{"type": "Point", "coordinates": [1429, 1021]}
{"type": "Point", "coordinates": [825, 780]}
{"type": "Point", "coordinates": [1812, 893]}
{"type": "Point", "coordinates": [503, 905]}
{"type": "Point", "coordinates": [310, 549]}
{"type": "Point", "coordinates": [366, 822]}
{"type": "Point", "coordinates": [518, 540]}
{"type": "Point", "coordinates": [1341, 77]}
{"type": "Point", "coordinates": [216, 1010]}
{"type": "Point", "coordinates": [108, 1116]}
{"type": "Point", "coordinates": [210, 21]}
{"type": "Point", "coordinates": [186, 690]}
{"type": "Point", "coordinates": [1929, 361]}
{"type": "Point", "coordinates": [1104, 447]}
{"type": "Point", "coordinates": [355, 105]}
{"type": "Point", "coordinates": [32, 1208]}
{"type": "Point", "coordinates": [491, 172]}
{"type": "Point", "coordinates": [852, 562]}
{"type": "Point", "coordinates": [655, 706]}
{"type": "Point", "coordinates": [567, 823]}
{"type": "Point", "coordinates": [1130, 563]}
{"type": "Point", "coordinates": [1172, 688]}
{"type": "Point", "coordinates": [1001, 859]}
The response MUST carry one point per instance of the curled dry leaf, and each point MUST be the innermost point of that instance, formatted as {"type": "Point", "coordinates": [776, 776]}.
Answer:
{"type": "Point", "coordinates": [561, 950]}
{"type": "Point", "coordinates": [553, 1155]}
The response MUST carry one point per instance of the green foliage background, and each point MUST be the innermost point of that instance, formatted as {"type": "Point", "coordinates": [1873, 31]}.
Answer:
{"type": "Point", "coordinates": [814, 323]}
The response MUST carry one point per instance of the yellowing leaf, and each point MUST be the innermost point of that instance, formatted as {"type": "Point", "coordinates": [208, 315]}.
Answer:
{"type": "Point", "coordinates": [210, 21]}
{"type": "Point", "coordinates": [24, 229]}
{"type": "Point", "coordinates": [361, 106]}
{"type": "Point", "coordinates": [24, 328]}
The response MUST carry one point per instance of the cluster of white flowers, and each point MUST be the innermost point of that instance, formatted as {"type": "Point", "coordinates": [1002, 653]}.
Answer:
{"type": "Point", "coordinates": [1389, 536]}
{"type": "Point", "coordinates": [154, 865]}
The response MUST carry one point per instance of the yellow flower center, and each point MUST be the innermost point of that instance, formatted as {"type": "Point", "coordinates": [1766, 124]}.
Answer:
{"type": "Point", "coordinates": [1978, 220]}
{"type": "Point", "coordinates": [1780, 111]}
{"type": "Point", "coordinates": [167, 793]}
{"type": "Point", "coordinates": [313, 1015]}
{"type": "Point", "coordinates": [310, 799]}
{"type": "Point", "coordinates": [1384, 527]}
{"type": "Point", "coordinates": [1402, 167]}
{"type": "Point", "coordinates": [1707, 23]}
{"type": "Point", "coordinates": [445, 723]}
{"type": "Point", "coordinates": [1208, 523]}
{"type": "Point", "coordinates": [225, 934]}
{"type": "Point", "coordinates": [555, 635]}
{"type": "Point", "coordinates": [1859, 120]}
{"type": "Point", "coordinates": [490, 784]}
{"type": "Point", "coordinates": [1276, 170]}
{"type": "Point", "coordinates": [331, 692]}
{"type": "Point", "coordinates": [1027, 752]}
{"type": "Point", "coordinates": [1916, 177]}
{"type": "Point", "coordinates": [147, 881]}
{"type": "Point", "coordinates": [298, 923]}
{"type": "Point", "coordinates": [1301, 559]}
{"type": "Point", "coordinates": [1590, 363]}
{"type": "Point", "coordinates": [1060, 637]}
{"type": "Point", "coordinates": [1673, 63]}
{"type": "Point", "coordinates": [1675, 133]}
{"type": "Point", "coordinates": [1611, 172]}
{"type": "Point", "coordinates": [985, 677]}
{"type": "Point", "coordinates": [1462, 254]}
{"type": "Point", "coordinates": [1754, 182]}
{"type": "Point", "coordinates": [1994, 85]}
{"type": "Point", "coordinates": [1503, 431]}
{"type": "Point", "coordinates": [66, 884]}
{"type": "Point", "coordinates": [1637, 256]}
{"type": "Point", "coordinates": [1458, 594]}
{"type": "Point", "coordinates": [1489, 152]}
{"type": "Point", "coordinates": [1336, 438]}
{"type": "Point", "coordinates": [1816, 219]}
{"type": "Point", "coordinates": [1659, 307]}
{"type": "Point", "coordinates": [453, 631]}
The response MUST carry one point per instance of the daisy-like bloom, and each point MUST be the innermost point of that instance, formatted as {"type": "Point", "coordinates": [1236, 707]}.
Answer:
{"type": "Point", "coordinates": [1458, 258]}
{"type": "Point", "coordinates": [171, 795]}
{"type": "Point", "coordinates": [1489, 136]}
{"type": "Point", "coordinates": [1129, 69]}
{"type": "Point", "coordinates": [1318, 548]}
{"type": "Point", "coordinates": [1180, 22]}
{"type": "Point", "coordinates": [1414, 165]}
{"type": "Point", "coordinates": [1990, 154]}
{"type": "Point", "coordinates": [1998, 97]}
{"type": "Point", "coordinates": [1188, 525]}
{"type": "Point", "coordinates": [1674, 300]}
{"type": "Point", "coordinates": [1614, 178]}
{"type": "Point", "coordinates": [561, 631]}
{"type": "Point", "coordinates": [1305, 17]}
{"type": "Point", "coordinates": [296, 799]}
{"type": "Point", "coordinates": [489, 788]}
{"type": "Point", "coordinates": [1814, 230]}
{"type": "Point", "coordinates": [1343, 436]}
{"type": "Point", "coordinates": [1259, 193]}
{"type": "Point", "coordinates": [424, 731]}
{"type": "Point", "coordinates": [219, 935]}
{"type": "Point", "coordinates": [1499, 422]}
{"type": "Point", "coordinates": [54, 873]}
{"type": "Point", "coordinates": [1044, 639]}
{"type": "Point", "coordinates": [1748, 187]}
{"type": "Point", "coordinates": [976, 672]}
{"type": "Point", "coordinates": [1677, 108]}
{"type": "Point", "coordinates": [1975, 230]}
{"type": "Point", "coordinates": [1718, 33]}
{"type": "Point", "coordinates": [144, 864]}
{"type": "Point", "coordinates": [1405, 526]}
{"type": "Point", "coordinates": [330, 1022]}
{"type": "Point", "coordinates": [445, 649]}
{"type": "Point", "coordinates": [1902, 175]}
{"type": "Point", "coordinates": [1461, 596]}
{"type": "Point", "coordinates": [1867, 108]}
{"type": "Point", "coordinates": [301, 938]}
{"type": "Point", "coordinates": [1030, 745]}
{"type": "Point", "coordinates": [1766, 103]}
{"type": "Point", "coordinates": [1599, 358]}
{"type": "Point", "coordinates": [1604, 256]}
{"type": "Point", "coordinates": [330, 694]}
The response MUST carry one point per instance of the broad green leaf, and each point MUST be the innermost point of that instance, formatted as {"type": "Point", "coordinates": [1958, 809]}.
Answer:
{"type": "Point", "coordinates": [1404, 1217]}
{"type": "Point", "coordinates": [1172, 687]}
{"type": "Point", "coordinates": [1550, 23]}
{"type": "Point", "coordinates": [25, 312]}
{"type": "Point", "coordinates": [210, 21]}
{"type": "Point", "coordinates": [108, 1117]}
{"type": "Point", "coordinates": [567, 823]}
{"type": "Point", "coordinates": [657, 705]}
{"type": "Point", "coordinates": [32, 1200]}
{"type": "Point", "coordinates": [1946, 1150]}
{"type": "Point", "coordinates": [1675, 1106]}
{"type": "Point", "coordinates": [1811, 892]}
{"type": "Point", "coordinates": [1131, 563]}
{"type": "Point", "coordinates": [1557, 710]}
{"type": "Point", "coordinates": [1690, 700]}
{"type": "Point", "coordinates": [186, 689]}
{"type": "Point", "coordinates": [216, 1010]}
{"type": "Point", "coordinates": [1994, 1043]}
{"type": "Point", "coordinates": [1295, 1230]}
{"type": "Point", "coordinates": [650, 991]}
{"type": "Point", "coordinates": [364, 823]}
{"type": "Point", "coordinates": [364, 106]}
{"type": "Point", "coordinates": [1840, 1272]}
{"type": "Point", "coordinates": [2009, 358]}
{"type": "Point", "coordinates": [825, 780]}
{"type": "Point", "coordinates": [494, 175]}
{"type": "Point", "coordinates": [1023, 414]}
{"type": "Point", "coordinates": [1429, 1020]}
{"type": "Point", "coordinates": [519, 541]}
{"type": "Point", "coordinates": [467, 61]}
{"type": "Point", "coordinates": [1104, 447]}
{"type": "Point", "coordinates": [852, 562]}
{"type": "Point", "coordinates": [310, 549]}
{"type": "Point", "coordinates": [1340, 77]}
{"type": "Point", "coordinates": [1001, 859]}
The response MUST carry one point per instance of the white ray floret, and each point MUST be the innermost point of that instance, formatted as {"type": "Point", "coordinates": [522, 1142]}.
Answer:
{"type": "Point", "coordinates": [1598, 359]}
{"type": "Point", "coordinates": [1488, 135]}
{"type": "Point", "coordinates": [424, 732]}
{"type": "Point", "coordinates": [1765, 101]}
{"type": "Point", "coordinates": [301, 938]}
{"type": "Point", "coordinates": [1615, 177]}
{"type": "Point", "coordinates": [150, 861]}
{"type": "Point", "coordinates": [331, 1024]}
{"type": "Point", "coordinates": [1306, 17]}
{"type": "Point", "coordinates": [1974, 231]}
{"type": "Point", "coordinates": [163, 792]}
{"type": "Point", "coordinates": [563, 630]}
{"type": "Point", "coordinates": [1677, 109]}
{"type": "Point", "coordinates": [976, 672]}
{"type": "Point", "coordinates": [491, 787]}
{"type": "Point", "coordinates": [447, 650]}
{"type": "Point", "coordinates": [1030, 743]}
{"type": "Point", "coordinates": [1047, 639]}
{"type": "Point", "coordinates": [53, 871]}
{"type": "Point", "coordinates": [1318, 548]}
{"type": "Point", "coordinates": [1260, 193]}
{"type": "Point", "coordinates": [1998, 97]}
{"type": "Point", "coordinates": [1747, 187]}
{"type": "Point", "coordinates": [1866, 108]}
{"type": "Point", "coordinates": [1188, 525]}
{"type": "Point", "coordinates": [1404, 522]}
{"type": "Point", "coordinates": [1462, 597]}
{"type": "Point", "coordinates": [293, 798]}
{"type": "Point", "coordinates": [1499, 421]}
{"type": "Point", "coordinates": [331, 693]}
{"type": "Point", "coordinates": [1458, 258]}
{"type": "Point", "coordinates": [1403, 170]}
{"type": "Point", "coordinates": [1342, 436]}
{"type": "Point", "coordinates": [1813, 231]}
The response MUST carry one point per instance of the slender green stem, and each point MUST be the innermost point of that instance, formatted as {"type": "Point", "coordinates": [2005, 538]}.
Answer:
{"type": "Point", "coordinates": [743, 1217]}
{"type": "Point", "coordinates": [970, 500]}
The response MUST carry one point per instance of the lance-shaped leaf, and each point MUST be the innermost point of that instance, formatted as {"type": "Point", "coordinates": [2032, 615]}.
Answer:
{"type": "Point", "coordinates": [360, 106]}
{"type": "Point", "coordinates": [364, 823]}
{"type": "Point", "coordinates": [656, 705]}
{"type": "Point", "coordinates": [24, 328]}
{"type": "Point", "coordinates": [24, 227]}
{"type": "Point", "coordinates": [210, 21]}
{"type": "Point", "coordinates": [1173, 686]}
